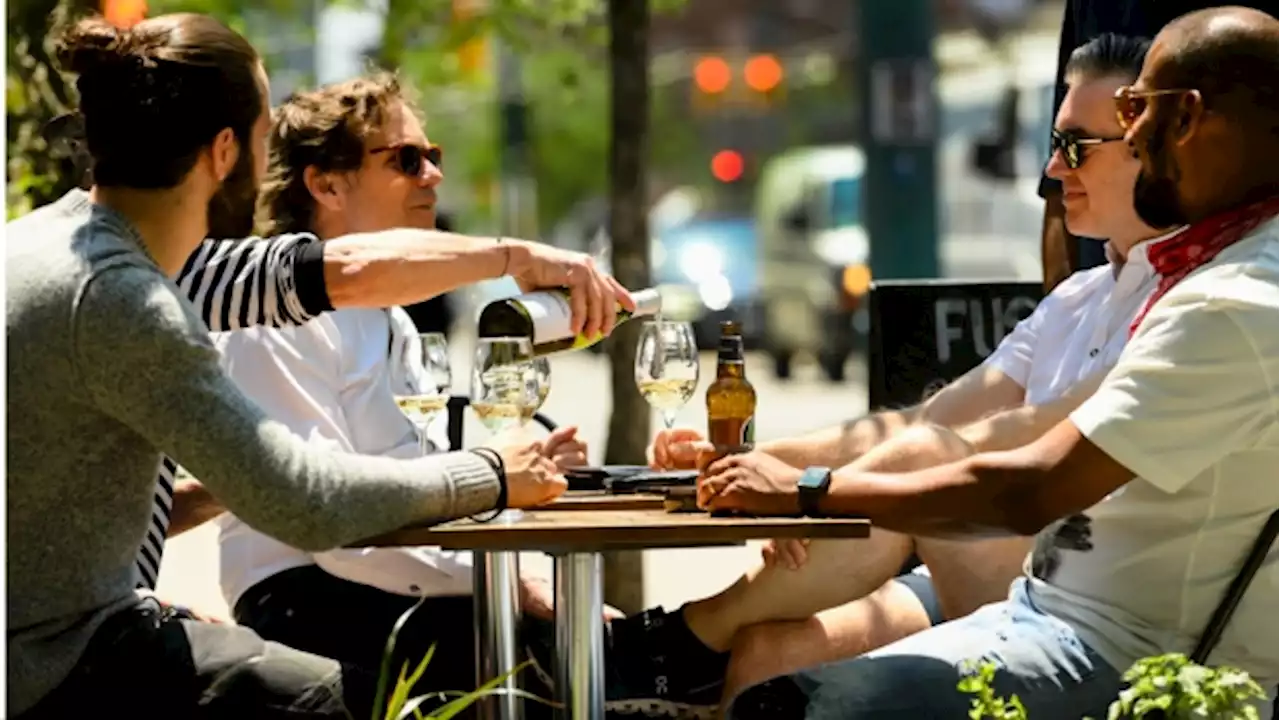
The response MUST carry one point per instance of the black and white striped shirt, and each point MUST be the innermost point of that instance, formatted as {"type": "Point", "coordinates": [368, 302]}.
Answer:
{"type": "Point", "coordinates": [235, 284]}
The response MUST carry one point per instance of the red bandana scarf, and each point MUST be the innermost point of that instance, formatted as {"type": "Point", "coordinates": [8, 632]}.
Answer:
{"type": "Point", "coordinates": [1175, 258]}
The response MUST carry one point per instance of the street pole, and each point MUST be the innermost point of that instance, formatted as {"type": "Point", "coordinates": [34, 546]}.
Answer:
{"type": "Point", "coordinates": [899, 124]}
{"type": "Point", "coordinates": [517, 193]}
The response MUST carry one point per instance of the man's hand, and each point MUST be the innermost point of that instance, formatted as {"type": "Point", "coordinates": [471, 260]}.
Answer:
{"type": "Point", "coordinates": [753, 482]}
{"type": "Point", "coordinates": [678, 449]}
{"type": "Point", "coordinates": [594, 295]}
{"type": "Point", "coordinates": [538, 600]}
{"type": "Point", "coordinates": [564, 448]}
{"type": "Point", "coordinates": [532, 479]}
{"type": "Point", "coordinates": [791, 553]}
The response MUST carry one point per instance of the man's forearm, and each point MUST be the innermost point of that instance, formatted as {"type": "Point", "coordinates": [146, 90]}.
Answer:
{"type": "Point", "coordinates": [405, 266]}
{"type": "Point", "coordinates": [970, 499]}
{"type": "Point", "coordinates": [840, 445]}
{"type": "Point", "coordinates": [193, 505]}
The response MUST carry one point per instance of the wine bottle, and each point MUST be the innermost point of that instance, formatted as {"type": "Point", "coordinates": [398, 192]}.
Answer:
{"type": "Point", "coordinates": [545, 317]}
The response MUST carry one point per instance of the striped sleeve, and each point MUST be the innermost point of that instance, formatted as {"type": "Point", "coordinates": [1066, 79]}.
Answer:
{"type": "Point", "coordinates": [152, 549]}
{"type": "Point", "coordinates": [275, 281]}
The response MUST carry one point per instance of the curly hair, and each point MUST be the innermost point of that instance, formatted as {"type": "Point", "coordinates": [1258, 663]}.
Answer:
{"type": "Point", "coordinates": [325, 128]}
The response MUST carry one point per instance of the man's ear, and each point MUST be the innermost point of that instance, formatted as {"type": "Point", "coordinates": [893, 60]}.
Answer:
{"type": "Point", "coordinates": [224, 151]}
{"type": "Point", "coordinates": [324, 188]}
{"type": "Point", "coordinates": [1191, 114]}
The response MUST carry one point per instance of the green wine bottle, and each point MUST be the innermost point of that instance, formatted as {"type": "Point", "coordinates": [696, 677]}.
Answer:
{"type": "Point", "coordinates": [544, 317]}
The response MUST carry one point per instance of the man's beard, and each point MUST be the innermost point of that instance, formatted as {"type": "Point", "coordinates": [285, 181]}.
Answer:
{"type": "Point", "coordinates": [230, 213]}
{"type": "Point", "coordinates": [1155, 197]}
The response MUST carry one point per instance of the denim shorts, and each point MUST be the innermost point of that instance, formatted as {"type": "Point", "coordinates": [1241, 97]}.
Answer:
{"type": "Point", "coordinates": [920, 584]}
{"type": "Point", "coordinates": [1038, 658]}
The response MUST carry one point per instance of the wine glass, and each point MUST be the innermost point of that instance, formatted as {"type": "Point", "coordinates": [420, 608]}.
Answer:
{"type": "Point", "coordinates": [539, 378]}
{"type": "Point", "coordinates": [501, 392]}
{"type": "Point", "coordinates": [425, 379]}
{"type": "Point", "coordinates": [667, 366]}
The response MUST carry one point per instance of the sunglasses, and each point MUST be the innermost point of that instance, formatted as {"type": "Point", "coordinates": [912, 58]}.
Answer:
{"type": "Point", "coordinates": [409, 158]}
{"type": "Point", "coordinates": [1130, 103]}
{"type": "Point", "coordinates": [1072, 146]}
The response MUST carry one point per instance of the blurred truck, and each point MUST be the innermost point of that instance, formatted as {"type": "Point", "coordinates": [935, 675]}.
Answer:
{"type": "Point", "coordinates": [814, 257]}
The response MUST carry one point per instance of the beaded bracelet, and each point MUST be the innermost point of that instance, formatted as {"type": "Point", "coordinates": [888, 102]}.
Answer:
{"type": "Point", "coordinates": [495, 462]}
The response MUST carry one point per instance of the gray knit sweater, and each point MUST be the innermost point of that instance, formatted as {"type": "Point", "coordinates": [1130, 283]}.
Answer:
{"type": "Point", "coordinates": [109, 365]}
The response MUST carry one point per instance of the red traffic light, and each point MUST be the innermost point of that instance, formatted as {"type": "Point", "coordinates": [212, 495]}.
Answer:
{"type": "Point", "coordinates": [727, 165]}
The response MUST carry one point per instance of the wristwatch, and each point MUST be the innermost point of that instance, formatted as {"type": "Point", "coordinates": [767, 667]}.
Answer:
{"type": "Point", "coordinates": [814, 483]}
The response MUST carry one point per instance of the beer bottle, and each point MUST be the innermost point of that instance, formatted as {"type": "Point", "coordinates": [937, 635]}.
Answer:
{"type": "Point", "coordinates": [731, 401]}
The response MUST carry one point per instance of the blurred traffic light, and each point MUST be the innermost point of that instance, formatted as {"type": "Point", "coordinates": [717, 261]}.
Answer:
{"type": "Point", "coordinates": [124, 13]}
{"type": "Point", "coordinates": [712, 75]}
{"type": "Point", "coordinates": [727, 166]}
{"type": "Point", "coordinates": [763, 73]}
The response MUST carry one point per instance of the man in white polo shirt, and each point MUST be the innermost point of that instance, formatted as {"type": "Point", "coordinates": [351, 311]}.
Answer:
{"type": "Point", "coordinates": [767, 619]}
{"type": "Point", "coordinates": [1153, 492]}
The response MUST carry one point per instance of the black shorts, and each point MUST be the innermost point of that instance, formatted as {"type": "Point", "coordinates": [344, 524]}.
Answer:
{"type": "Point", "coordinates": [922, 587]}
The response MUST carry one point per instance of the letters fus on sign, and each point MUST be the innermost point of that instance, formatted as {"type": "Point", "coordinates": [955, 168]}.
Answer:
{"type": "Point", "coordinates": [984, 322]}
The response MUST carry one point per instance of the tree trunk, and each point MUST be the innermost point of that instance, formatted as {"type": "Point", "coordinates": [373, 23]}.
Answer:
{"type": "Point", "coordinates": [629, 231]}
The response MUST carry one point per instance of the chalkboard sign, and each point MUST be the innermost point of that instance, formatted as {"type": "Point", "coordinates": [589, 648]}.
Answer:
{"type": "Point", "coordinates": [926, 333]}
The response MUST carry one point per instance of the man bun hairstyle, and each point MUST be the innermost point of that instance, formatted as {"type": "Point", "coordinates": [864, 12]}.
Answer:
{"type": "Point", "coordinates": [153, 96]}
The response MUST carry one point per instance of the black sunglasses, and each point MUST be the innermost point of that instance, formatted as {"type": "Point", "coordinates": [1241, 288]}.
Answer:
{"type": "Point", "coordinates": [409, 158]}
{"type": "Point", "coordinates": [1072, 146]}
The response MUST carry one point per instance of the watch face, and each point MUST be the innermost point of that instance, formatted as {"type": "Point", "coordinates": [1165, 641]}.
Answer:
{"type": "Point", "coordinates": [815, 478]}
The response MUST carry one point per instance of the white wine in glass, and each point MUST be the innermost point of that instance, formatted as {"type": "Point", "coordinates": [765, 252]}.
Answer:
{"type": "Point", "coordinates": [540, 380]}
{"type": "Point", "coordinates": [501, 391]}
{"type": "Point", "coordinates": [423, 391]}
{"type": "Point", "coordinates": [667, 367]}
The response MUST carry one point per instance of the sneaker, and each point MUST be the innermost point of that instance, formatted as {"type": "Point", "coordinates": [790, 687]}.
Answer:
{"type": "Point", "coordinates": [656, 667]}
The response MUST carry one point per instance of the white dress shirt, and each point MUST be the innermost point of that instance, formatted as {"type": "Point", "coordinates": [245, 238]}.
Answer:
{"type": "Point", "coordinates": [1079, 329]}
{"type": "Point", "coordinates": [331, 381]}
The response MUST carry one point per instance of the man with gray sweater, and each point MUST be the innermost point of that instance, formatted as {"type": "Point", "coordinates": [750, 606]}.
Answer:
{"type": "Point", "coordinates": [111, 366]}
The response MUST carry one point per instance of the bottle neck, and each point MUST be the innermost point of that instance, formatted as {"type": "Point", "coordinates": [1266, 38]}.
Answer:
{"type": "Point", "coordinates": [730, 359]}
{"type": "Point", "coordinates": [648, 302]}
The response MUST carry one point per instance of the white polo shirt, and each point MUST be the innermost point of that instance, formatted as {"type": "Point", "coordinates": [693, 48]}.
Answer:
{"type": "Point", "coordinates": [1078, 329]}
{"type": "Point", "coordinates": [331, 381]}
{"type": "Point", "coordinates": [1191, 409]}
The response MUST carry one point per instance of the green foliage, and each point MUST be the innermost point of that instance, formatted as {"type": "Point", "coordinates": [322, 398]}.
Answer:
{"type": "Point", "coordinates": [561, 49]}
{"type": "Point", "coordinates": [977, 681]}
{"type": "Point", "coordinates": [399, 706]}
{"type": "Point", "coordinates": [1179, 688]}
{"type": "Point", "coordinates": [1167, 686]}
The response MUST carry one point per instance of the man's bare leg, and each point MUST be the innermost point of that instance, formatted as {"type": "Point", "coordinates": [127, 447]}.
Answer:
{"type": "Point", "coordinates": [968, 575]}
{"type": "Point", "coordinates": [768, 650]}
{"type": "Point", "coordinates": [973, 573]}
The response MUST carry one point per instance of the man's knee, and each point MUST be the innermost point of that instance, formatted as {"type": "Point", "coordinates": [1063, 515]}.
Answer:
{"type": "Point", "coordinates": [917, 447]}
{"type": "Point", "coordinates": [280, 681]}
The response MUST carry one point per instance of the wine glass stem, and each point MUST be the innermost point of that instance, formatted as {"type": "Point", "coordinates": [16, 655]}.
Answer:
{"type": "Point", "coordinates": [668, 419]}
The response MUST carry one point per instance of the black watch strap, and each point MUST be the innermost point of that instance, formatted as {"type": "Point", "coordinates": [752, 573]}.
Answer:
{"type": "Point", "coordinates": [814, 485]}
